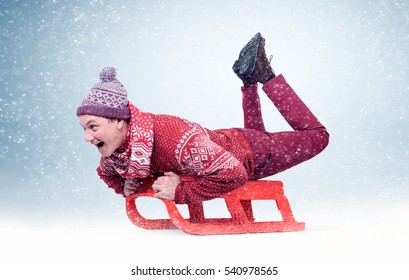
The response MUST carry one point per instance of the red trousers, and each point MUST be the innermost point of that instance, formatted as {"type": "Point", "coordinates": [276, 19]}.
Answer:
{"type": "Point", "coordinates": [275, 152]}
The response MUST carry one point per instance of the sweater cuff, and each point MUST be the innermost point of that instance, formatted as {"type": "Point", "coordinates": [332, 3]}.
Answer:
{"type": "Point", "coordinates": [180, 194]}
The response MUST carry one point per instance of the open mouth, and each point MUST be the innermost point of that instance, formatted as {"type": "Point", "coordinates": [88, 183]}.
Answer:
{"type": "Point", "coordinates": [100, 144]}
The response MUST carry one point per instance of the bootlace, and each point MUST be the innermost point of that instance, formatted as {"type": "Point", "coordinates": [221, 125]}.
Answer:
{"type": "Point", "coordinates": [269, 62]}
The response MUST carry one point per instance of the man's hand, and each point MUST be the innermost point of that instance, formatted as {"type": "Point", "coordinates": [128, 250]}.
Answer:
{"type": "Point", "coordinates": [165, 186]}
{"type": "Point", "coordinates": [131, 186]}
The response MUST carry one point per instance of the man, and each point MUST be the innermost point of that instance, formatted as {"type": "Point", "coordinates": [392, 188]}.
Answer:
{"type": "Point", "coordinates": [136, 146]}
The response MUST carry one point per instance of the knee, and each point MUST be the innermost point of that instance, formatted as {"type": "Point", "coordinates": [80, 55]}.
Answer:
{"type": "Point", "coordinates": [322, 138]}
{"type": "Point", "coordinates": [319, 139]}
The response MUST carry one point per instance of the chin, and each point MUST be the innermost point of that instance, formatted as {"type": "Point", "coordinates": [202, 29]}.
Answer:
{"type": "Point", "coordinates": [106, 154]}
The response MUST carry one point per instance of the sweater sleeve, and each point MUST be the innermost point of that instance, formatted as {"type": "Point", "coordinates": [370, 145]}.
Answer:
{"type": "Point", "coordinates": [111, 178]}
{"type": "Point", "coordinates": [217, 170]}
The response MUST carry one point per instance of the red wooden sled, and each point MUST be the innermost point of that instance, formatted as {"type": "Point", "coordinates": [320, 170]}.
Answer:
{"type": "Point", "coordinates": [239, 205]}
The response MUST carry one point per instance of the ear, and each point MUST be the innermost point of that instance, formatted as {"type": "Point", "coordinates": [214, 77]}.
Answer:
{"type": "Point", "coordinates": [121, 123]}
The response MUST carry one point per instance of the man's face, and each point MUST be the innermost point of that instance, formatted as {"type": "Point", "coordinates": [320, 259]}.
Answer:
{"type": "Point", "coordinates": [105, 134]}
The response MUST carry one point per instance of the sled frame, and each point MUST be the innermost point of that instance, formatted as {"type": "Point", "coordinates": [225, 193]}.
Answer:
{"type": "Point", "coordinates": [238, 204]}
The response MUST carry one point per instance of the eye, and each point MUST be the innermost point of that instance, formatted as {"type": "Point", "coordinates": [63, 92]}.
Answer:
{"type": "Point", "coordinates": [93, 127]}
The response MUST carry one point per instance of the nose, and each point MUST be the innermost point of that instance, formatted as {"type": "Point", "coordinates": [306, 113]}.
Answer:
{"type": "Point", "coordinates": [88, 136]}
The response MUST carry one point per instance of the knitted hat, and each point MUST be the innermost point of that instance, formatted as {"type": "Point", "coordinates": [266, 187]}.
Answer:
{"type": "Point", "coordinates": [108, 98]}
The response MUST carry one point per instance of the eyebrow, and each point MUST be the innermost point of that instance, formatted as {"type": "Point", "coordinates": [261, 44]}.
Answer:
{"type": "Point", "coordinates": [88, 122]}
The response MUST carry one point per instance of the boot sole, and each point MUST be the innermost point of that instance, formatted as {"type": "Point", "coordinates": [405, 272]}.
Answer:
{"type": "Point", "coordinates": [246, 62]}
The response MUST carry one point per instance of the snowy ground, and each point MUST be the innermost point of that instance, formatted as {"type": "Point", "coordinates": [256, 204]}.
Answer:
{"type": "Point", "coordinates": [354, 243]}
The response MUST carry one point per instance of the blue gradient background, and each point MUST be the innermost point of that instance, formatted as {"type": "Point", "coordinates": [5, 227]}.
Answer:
{"type": "Point", "coordinates": [348, 60]}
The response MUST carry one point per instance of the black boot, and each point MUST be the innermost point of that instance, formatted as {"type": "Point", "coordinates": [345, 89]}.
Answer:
{"type": "Point", "coordinates": [253, 65]}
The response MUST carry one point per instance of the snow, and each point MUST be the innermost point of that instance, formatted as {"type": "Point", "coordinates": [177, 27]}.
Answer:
{"type": "Point", "coordinates": [346, 59]}
{"type": "Point", "coordinates": [335, 245]}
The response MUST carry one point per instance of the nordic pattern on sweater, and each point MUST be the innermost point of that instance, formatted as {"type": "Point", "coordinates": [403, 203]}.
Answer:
{"type": "Point", "coordinates": [187, 148]}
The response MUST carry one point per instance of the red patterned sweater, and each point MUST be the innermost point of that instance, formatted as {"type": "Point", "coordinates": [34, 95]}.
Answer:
{"type": "Point", "coordinates": [220, 160]}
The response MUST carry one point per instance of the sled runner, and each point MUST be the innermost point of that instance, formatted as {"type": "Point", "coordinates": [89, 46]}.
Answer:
{"type": "Point", "coordinates": [238, 203]}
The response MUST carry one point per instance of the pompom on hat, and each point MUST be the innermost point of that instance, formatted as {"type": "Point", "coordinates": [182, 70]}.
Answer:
{"type": "Point", "coordinates": [108, 98]}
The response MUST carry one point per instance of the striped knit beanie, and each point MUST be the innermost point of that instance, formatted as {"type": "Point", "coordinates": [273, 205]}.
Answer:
{"type": "Point", "coordinates": [108, 98]}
